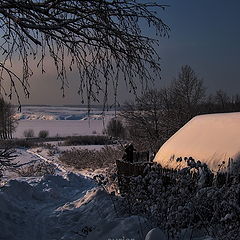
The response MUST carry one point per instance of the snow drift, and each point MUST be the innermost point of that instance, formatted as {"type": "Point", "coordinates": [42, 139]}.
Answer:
{"type": "Point", "coordinates": [211, 138]}
{"type": "Point", "coordinates": [69, 207]}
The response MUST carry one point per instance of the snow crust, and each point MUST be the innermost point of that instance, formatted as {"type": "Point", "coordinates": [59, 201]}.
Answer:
{"type": "Point", "coordinates": [210, 138]}
{"type": "Point", "coordinates": [68, 205]}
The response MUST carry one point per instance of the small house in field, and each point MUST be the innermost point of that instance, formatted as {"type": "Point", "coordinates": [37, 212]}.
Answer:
{"type": "Point", "coordinates": [210, 138]}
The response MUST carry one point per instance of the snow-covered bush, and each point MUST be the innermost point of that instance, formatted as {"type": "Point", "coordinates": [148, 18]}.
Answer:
{"type": "Point", "coordinates": [191, 198]}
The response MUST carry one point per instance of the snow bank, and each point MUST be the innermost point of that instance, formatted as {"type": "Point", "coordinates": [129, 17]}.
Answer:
{"type": "Point", "coordinates": [67, 207]}
{"type": "Point", "coordinates": [210, 138]}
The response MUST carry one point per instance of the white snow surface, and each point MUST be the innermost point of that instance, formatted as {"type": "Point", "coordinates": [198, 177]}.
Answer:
{"type": "Point", "coordinates": [62, 121]}
{"type": "Point", "coordinates": [60, 113]}
{"type": "Point", "coordinates": [65, 206]}
{"type": "Point", "coordinates": [210, 138]}
{"type": "Point", "coordinates": [60, 207]}
{"type": "Point", "coordinates": [60, 127]}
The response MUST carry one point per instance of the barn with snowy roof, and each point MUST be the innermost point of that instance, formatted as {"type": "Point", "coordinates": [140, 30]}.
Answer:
{"type": "Point", "coordinates": [210, 138]}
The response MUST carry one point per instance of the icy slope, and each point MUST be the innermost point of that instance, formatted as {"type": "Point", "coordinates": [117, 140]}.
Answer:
{"type": "Point", "coordinates": [210, 138]}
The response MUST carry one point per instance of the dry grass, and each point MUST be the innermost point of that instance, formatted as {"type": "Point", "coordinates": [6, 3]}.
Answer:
{"type": "Point", "coordinates": [36, 170]}
{"type": "Point", "coordinates": [86, 140]}
{"type": "Point", "coordinates": [84, 158]}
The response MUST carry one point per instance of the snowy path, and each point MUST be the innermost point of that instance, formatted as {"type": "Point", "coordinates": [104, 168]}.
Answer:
{"type": "Point", "coordinates": [53, 161]}
{"type": "Point", "coordinates": [67, 206]}
{"type": "Point", "coordinates": [36, 202]}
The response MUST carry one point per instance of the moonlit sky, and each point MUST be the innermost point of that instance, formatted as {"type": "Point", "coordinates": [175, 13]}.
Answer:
{"type": "Point", "coordinates": [204, 34]}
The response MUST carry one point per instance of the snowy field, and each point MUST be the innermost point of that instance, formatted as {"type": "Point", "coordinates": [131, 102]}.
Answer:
{"type": "Point", "coordinates": [68, 205]}
{"type": "Point", "coordinates": [62, 121]}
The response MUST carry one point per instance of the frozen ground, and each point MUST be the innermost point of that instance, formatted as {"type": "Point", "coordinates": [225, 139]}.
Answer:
{"type": "Point", "coordinates": [210, 138]}
{"type": "Point", "coordinates": [65, 206]}
{"type": "Point", "coordinates": [62, 121]}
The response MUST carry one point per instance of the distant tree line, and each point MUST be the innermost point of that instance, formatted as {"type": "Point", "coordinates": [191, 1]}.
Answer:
{"type": "Point", "coordinates": [158, 114]}
{"type": "Point", "coordinates": [7, 121]}
{"type": "Point", "coordinates": [221, 102]}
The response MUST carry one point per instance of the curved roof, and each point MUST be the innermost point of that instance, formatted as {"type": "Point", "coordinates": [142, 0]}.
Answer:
{"type": "Point", "coordinates": [210, 138]}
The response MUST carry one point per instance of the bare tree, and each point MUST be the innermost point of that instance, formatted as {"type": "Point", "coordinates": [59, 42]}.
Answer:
{"type": "Point", "coordinates": [236, 102]}
{"type": "Point", "coordinates": [158, 114]}
{"type": "Point", "coordinates": [187, 93]}
{"type": "Point", "coordinates": [7, 155]}
{"type": "Point", "coordinates": [7, 121]}
{"type": "Point", "coordinates": [144, 120]}
{"type": "Point", "coordinates": [222, 100]}
{"type": "Point", "coordinates": [102, 39]}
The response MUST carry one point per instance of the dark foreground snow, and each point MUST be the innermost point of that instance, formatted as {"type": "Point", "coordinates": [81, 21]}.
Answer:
{"type": "Point", "coordinates": [61, 207]}
{"type": "Point", "coordinates": [66, 206]}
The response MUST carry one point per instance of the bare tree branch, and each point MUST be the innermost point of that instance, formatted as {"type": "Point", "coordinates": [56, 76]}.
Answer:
{"type": "Point", "coordinates": [7, 155]}
{"type": "Point", "coordinates": [102, 38]}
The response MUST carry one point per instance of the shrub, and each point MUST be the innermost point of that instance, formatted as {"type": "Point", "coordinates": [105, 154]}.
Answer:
{"type": "Point", "coordinates": [192, 198]}
{"type": "Point", "coordinates": [43, 134]}
{"type": "Point", "coordinates": [36, 170]}
{"type": "Point", "coordinates": [115, 128]}
{"type": "Point", "coordinates": [86, 140]}
{"type": "Point", "coordinates": [29, 133]}
{"type": "Point", "coordinates": [84, 158]}
{"type": "Point", "coordinates": [20, 143]}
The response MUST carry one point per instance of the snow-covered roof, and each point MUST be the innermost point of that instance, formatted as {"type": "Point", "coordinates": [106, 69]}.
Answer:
{"type": "Point", "coordinates": [210, 138]}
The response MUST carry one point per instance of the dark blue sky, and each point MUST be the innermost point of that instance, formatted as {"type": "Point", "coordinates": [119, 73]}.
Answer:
{"type": "Point", "coordinates": [205, 34]}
